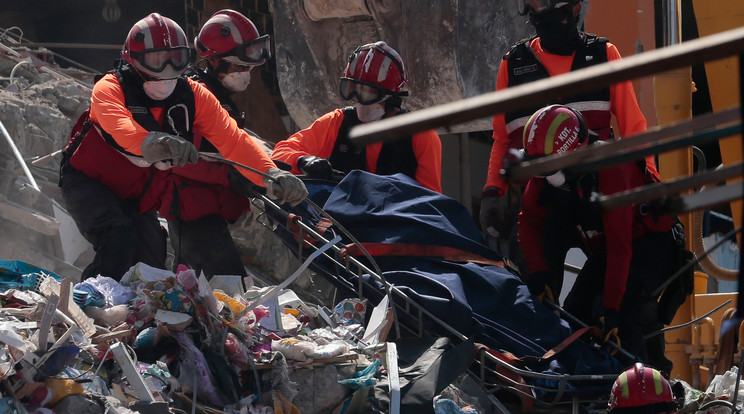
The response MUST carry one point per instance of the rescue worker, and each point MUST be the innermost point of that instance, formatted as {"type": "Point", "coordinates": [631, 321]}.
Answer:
{"type": "Point", "coordinates": [230, 47]}
{"type": "Point", "coordinates": [557, 48]}
{"type": "Point", "coordinates": [641, 390]}
{"type": "Point", "coordinates": [373, 79]}
{"type": "Point", "coordinates": [143, 117]}
{"type": "Point", "coordinates": [630, 251]}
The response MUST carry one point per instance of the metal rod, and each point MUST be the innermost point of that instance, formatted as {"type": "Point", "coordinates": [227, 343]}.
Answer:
{"type": "Point", "coordinates": [218, 157]}
{"type": "Point", "coordinates": [684, 268]}
{"type": "Point", "coordinates": [686, 324]}
{"type": "Point", "coordinates": [622, 157]}
{"type": "Point", "coordinates": [702, 200]}
{"type": "Point", "coordinates": [703, 49]}
{"type": "Point", "coordinates": [654, 191]}
{"type": "Point", "coordinates": [68, 45]}
{"type": "Point", "coordinates": [20, 157]}
{"type": "Point", "coordinates": [579, 322]}
{"type": "Point", "coordinates": [652, 136]}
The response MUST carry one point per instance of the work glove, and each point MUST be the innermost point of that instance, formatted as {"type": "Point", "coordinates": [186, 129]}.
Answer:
{"type": "Point", "coordinates": [609, 321]}
{"type": "Point", "coordinates": [492, 220]}
{"type": "Point", "coordinates": [537, 283]}
{"type": "Point", "coordinates": [285, 187]}
{"type": "Point", "coordinates": [161, 146]}
{"type": "Point", "coordinates": [315, 167]}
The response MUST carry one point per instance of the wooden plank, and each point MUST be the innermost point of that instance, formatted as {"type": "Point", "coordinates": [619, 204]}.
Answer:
{"type": "Point", "coordinates": [703, 49]}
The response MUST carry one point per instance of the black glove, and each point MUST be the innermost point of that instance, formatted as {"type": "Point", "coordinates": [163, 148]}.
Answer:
{"type": "Point", "coordinates": [161, 146]}
{"type": "Point", "coordinates": [493, 223]}
{"type": "Point", "coordinates": [609, 321]}
{"type": "Point", "coordinates": [538, 284]}
{"type": "Point", "coordinates": [315, 167]}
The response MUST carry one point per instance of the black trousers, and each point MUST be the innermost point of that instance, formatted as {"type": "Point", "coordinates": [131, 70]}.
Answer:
{"type": "Point", "coordinates": [120, 235]}
{"type": "Point", "coordinates": [655, 258]}
{"type": "Point", "coordinates": [205, 244]}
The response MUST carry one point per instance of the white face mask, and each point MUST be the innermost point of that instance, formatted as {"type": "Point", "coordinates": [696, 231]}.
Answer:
{"type": "Point", "coordinates": [236, 81]}
{"type": "Point", "coordinates": [370, 113]}
{"type": "Point", "coordinates": [159, 90]}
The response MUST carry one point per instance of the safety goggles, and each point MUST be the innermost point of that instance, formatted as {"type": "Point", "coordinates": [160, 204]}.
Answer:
{"type": "Point", "coordinates": [255, 52]}
{"type": "Point", "coordinates": [363, 92]}
{"type": "Point", "coordinates": [156, 60]}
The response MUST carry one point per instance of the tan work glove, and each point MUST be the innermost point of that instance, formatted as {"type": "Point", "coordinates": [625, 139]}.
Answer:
{"type": "Point", "coordinates": [286, 188]}
{"type": "Point", "coordinates": [161, 146]}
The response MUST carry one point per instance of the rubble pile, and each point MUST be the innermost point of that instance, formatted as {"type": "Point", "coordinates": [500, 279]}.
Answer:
{"type": "Point", "coordinates": [156, 339]}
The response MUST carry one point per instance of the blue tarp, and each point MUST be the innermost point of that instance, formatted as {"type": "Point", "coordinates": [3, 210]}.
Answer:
{"type": "Point", "coordinates": [485, 302]}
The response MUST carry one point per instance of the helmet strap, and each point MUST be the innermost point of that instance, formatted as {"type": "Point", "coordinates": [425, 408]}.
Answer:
{"type": "Point", "coordinates": [393, 103]}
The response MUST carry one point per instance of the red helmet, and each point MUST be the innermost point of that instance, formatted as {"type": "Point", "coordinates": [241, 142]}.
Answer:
{"type": "Point", "coordinates": [156, 46]}
{"type": "Point", "coordinates": [554, 129]}
{"type": "Point", "coordinates": [540, 6]}
{"type": "Point", "coordinates": [233, 37]}
{"type": "Point", "coordinates": [373, 71]}
{"type": "Point", "coordinates": [638, 387]}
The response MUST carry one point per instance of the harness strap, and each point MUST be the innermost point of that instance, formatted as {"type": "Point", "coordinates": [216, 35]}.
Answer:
{"type": "Point", "coordinates": [401, 249]}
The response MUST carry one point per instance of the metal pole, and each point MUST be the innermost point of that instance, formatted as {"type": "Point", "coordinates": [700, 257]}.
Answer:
{"type": "Point", "coordinates": [20, 157]}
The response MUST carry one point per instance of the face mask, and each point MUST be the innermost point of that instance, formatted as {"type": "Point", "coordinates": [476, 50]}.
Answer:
{"type": "Point", "coordinates": [159, 90]}
{"type": "Point", "coordinates": [236, 81]}
{"type": "Point", "coordinates": [370, 113]}
{"type": "Point", "coordinates": [557, 37]}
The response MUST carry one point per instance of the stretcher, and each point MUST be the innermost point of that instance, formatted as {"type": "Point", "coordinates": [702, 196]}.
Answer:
{"type": "Point", "coordinates": [360, 269]}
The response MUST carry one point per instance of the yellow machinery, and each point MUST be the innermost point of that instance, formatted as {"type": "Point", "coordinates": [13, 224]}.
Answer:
{"type": "Point", "coordinates": [695, 350]}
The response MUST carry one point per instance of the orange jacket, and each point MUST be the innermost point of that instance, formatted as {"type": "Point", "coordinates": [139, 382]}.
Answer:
{"type": "Point", "coordinates": [109, 111]}
{"type": "Point", "coordinates": [319, 138]}
{"type": "Point", "coordinates": [623, 105]}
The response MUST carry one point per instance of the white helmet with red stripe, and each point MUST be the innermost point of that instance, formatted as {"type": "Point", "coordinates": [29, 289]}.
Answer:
{"type": "Point", "coordinates": [156, 47]}
{"type": "Point", "coordinates": [373, 72]}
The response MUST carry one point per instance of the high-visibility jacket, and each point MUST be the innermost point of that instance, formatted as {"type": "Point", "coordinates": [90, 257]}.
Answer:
{"type": "Point", "coordinates": [535, 63]}
{"type": "Point", "coordinates": [121, 118]}
{"type": "Point", "coordinates": [419, 156]}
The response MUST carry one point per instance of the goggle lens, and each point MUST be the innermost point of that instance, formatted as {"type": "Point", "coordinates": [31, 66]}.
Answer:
{"type": "Point", "coordinates": [157, 60]}
{"type": "Point", "coordinates": [365, 94]}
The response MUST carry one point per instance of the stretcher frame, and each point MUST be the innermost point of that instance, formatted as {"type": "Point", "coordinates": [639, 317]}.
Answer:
{"type": "Point", "coordinates": [488, 366]}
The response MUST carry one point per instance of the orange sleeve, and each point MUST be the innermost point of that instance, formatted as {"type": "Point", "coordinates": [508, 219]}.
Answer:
{"type": "Point", "coordinates": [428, 149]}
{"type": "Point", "coordinates": [318, 139]}
{"type": "Point", "coordinates": [623, 102]}
{"type": "Point", "coordinates": [624, 105]}
{"type": "Point", "coordinates": [500, 138]}
{"type": "Point", "coordinates": [109, 111]}
{"type": "Point", "coordinates": [214, 123]}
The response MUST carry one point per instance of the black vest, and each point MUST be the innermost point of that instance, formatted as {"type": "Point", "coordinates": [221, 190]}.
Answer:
{"type": "Point", "coordinates": [396, 156]}
{"type": "Point", "coordinates": [179, 108]}
{"type": "Point", "coordinates": [524, 67]}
